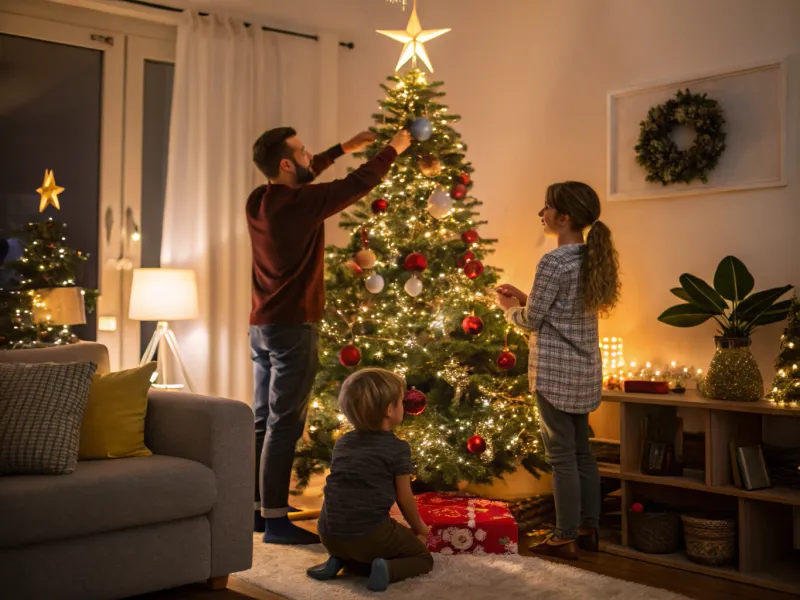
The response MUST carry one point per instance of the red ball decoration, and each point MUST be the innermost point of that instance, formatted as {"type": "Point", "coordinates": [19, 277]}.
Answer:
{"type": "Point", "coordinates": [349, 356]}
{"type": "Point", "coordinates": [506, 360]}
{"type": "Point", "coordinates": [462, 261]}
{"type": "Point", "coordinates": [472, 325]}
{"type": "Point", "coordinates": [476, 444]}
{"type": "Point", "coordinates": [458, 192]}
{"type": "Point", "coordinates": [473, 269]}
{"type": "Point", "coordinates": [637, 507]}
{"type": "Point", "coordinates": [470, 237]}
{"type": "Point", "coordinates": [465, 178]}
{"type": "Point", "coordinates": [414, 402]}
{"type": "Point", "coordinates": [380, 205]}
{"type": "Point", "coordinates": [416, 262]}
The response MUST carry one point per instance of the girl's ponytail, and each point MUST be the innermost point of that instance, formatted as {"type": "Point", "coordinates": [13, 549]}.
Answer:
{"type": "Point", "coordinates": [600, 270]}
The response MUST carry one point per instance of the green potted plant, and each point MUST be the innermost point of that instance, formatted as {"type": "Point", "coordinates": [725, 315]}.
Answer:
{"type": "Point", "coordinates": [733, 373]}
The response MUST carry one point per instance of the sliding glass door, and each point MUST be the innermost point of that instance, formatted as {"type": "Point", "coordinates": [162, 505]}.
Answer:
{"type": "Point", "coordinates": [61, 109]}
{"type": "Point", "coordinates": [93, 105]}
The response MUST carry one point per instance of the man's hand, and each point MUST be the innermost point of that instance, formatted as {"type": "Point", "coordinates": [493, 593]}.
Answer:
{"type": "Point", "coordinates": [401, 141]}
{"type": "Point", "coordinates": [359, 142]}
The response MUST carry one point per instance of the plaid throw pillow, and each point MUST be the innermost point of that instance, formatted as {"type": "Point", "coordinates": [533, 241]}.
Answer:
{"type": "Point", "coordinates": [41, 408]}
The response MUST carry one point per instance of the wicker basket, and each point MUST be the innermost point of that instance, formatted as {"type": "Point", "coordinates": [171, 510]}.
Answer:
{"type": "Point", "coordinates": [655, 532]}
{"type": "Point", "coordinates": [710, 541]}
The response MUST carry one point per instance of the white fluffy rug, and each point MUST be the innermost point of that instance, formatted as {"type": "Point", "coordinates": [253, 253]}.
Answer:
{"type": "Point", "coordinates": [281, 570]}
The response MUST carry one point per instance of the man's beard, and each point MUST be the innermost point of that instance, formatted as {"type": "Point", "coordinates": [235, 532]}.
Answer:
{"type": "Point", "coordinates": [304, 175]}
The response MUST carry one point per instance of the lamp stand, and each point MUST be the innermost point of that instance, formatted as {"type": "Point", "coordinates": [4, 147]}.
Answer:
{"type": "Point", "coordinates": [164, 339]}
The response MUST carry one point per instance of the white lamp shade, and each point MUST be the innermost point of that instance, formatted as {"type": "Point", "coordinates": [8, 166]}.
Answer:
{"type": "Point", "coordinates": [163, 295]}
{"type": "Point", "coordinates": [59, 306]}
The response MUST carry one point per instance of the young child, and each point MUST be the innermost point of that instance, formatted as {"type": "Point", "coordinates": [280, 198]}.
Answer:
{"type": "Point", "coordinates": [370, 470]}
{"type": "Point", "coordinates": [573, 284]}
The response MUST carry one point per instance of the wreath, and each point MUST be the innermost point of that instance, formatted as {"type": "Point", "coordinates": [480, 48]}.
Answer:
{"type": "Point", "coordinates": [658, 153]}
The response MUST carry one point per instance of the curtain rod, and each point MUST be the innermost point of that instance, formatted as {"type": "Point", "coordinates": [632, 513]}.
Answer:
{"type": "Point", "coordinates": [307, 36]}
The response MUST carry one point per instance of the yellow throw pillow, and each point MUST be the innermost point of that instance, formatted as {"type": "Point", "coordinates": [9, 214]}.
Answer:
{"type": "Point", "coordinates": [113, 423]}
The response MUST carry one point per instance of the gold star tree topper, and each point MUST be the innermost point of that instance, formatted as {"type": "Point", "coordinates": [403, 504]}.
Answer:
{"type": "Point", "coordinates": [414, 38]}
{"type": "Point", "coordinates": [49, 191]}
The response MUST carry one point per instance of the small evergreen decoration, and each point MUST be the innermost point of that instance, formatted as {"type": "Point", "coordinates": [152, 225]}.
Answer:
{"type": "Point", "coordinates": [786, 386]}
{"type": "Point", "coordinates": [658, 153]}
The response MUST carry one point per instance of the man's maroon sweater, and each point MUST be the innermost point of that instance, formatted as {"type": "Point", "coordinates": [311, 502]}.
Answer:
{"type": "Point", "coordinates": [287, 233]}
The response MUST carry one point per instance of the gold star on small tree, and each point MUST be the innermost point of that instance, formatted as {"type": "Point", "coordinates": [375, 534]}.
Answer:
{"type": "Point", "coordinates": [49, 191]}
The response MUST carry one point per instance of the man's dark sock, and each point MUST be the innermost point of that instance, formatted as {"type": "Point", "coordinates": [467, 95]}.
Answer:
{"type": "Point", "coordinates": [282, 531]}
{"type": "Point", "coordinates": [258, 520]}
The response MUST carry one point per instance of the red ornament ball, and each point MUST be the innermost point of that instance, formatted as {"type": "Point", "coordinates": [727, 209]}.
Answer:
{"type": "Point", "coordinates": [462, 261]}
{"type": "Point", "coordinates": [637, 507]}
{"type": "Point", "coordinates": [349, 356]}
{"type": "Point", "coordinates": [470, 237]}
{"type": "Point", "coordinates": [380, 205]}
{"type": "Point", "coordinates": [506, 360]}
{"type": "Point", "coordinates": [473, 269]}
{"type": "Point", "coordinates": [476, 444]}
{"type": "Point", "coordinates": [472, 325]}
{"type": "Point", "coordinates": [458, 192]}
{"type": "Point", "coordinates": [465, 178]}
{"type": "Point", "coordinates": [414, 402]}
{"type": "Point", "coordinates": [416, 262]}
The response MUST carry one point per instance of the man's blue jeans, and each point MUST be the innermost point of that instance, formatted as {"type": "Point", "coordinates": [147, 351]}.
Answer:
{"type": "Point", "coordinates": [284, 365]}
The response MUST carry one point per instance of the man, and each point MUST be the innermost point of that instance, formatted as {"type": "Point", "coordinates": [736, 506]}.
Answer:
{"type": "Point", "coordinates": [286, 223]}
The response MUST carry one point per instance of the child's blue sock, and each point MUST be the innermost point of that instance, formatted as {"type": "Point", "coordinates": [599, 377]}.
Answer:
{"type": "Point", "coordinates": [379, 576]}
{"type": "Point", "coordinates": [327, 570]}
{"type": "Point", "coordinates": [282, 531]}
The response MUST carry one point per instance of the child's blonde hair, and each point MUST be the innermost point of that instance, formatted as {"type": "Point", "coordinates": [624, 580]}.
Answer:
{"type": "Point", "coordinates": [366, 396]}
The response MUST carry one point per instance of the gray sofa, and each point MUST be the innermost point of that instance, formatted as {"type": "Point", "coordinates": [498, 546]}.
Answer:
{"type": "Point", "coordinates": [116, 528]}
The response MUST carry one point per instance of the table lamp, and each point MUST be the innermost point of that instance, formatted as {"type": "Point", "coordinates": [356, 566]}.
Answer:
{"type": "Point", "coordinates": [164, 295]}
{"type": "Point", "coordinates": [59, 306]}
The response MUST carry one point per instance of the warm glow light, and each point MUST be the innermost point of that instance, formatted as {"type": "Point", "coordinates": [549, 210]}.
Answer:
{"type": "Point", "coordinates": [163, 295]}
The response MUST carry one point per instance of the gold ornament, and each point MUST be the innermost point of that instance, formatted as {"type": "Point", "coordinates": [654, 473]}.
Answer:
{"type": "Point", "coordinates": [366, 259]}
{"type": "Point", "coordinates": [414, 38]}
{"type": "Point", "coordinates": [457, 376]}
{"type": "Point", "coordinates": [49, 191]}
{"type": "Point", "coordinates": [430, 165]}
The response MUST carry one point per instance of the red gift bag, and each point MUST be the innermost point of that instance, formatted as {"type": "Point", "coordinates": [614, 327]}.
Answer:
{"type": "Point", "coordinates": [463, 524]}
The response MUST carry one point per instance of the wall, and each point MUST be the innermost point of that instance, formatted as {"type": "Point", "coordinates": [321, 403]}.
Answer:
{"type": "Point", "coordinates": [531, 79]}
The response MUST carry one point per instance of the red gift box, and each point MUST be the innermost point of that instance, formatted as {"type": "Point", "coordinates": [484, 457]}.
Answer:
{"type": "Point", "coordinates": [463, 524]}
{"type": "Point", "coordinates": [635, 386]}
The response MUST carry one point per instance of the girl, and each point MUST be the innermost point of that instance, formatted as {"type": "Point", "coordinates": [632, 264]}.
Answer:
{"type": "Point", "coordinates": [574, 284]}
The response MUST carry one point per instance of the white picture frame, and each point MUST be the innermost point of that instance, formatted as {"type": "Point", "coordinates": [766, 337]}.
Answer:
{"type": "Point", "coordinates": [754, 100]}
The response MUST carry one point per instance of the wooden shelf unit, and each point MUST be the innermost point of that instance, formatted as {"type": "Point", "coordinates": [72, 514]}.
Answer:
{"type": "Point", "coordinates": [768, 520]}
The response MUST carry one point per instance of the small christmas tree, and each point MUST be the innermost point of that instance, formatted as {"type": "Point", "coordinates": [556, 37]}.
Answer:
{"type": "Point", "coordinates": [47, 262]}
{"type": "Point", "coordinates": [786, 386]}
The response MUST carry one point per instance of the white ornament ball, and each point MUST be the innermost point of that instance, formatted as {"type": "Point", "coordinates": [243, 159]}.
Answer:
{"type": "Point", "coordinates": [413, 287]}
{"type": "Point", "coordinates": [374, 283]}
{"type": "Point", "coordinates": [439, 204]}
{"type": "Point", "coordinates": [365, 259]}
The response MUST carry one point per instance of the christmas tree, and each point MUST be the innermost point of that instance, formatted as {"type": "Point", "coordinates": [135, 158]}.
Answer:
{"type": "Point", "coordinates": [786, 385]}
{"type": "Point", "coordinates": [46, 262]}
{"type": "Point", "coordinates": [410, 293]}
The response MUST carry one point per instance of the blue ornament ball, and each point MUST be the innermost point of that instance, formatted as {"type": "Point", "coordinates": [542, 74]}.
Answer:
{"type": "Point", "coordinates": [421, 129]}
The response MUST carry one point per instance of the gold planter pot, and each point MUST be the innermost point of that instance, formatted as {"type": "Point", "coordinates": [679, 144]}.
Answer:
{"type": "Point", "coordinates": [733, 373]}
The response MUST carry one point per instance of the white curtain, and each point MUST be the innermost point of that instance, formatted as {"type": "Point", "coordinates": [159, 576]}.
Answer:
{"type": "Point", "coordinates": [232, 83]}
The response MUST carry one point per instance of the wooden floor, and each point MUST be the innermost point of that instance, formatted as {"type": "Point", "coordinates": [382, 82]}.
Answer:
{"type": "Point", "coordinates": [700, 587]}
